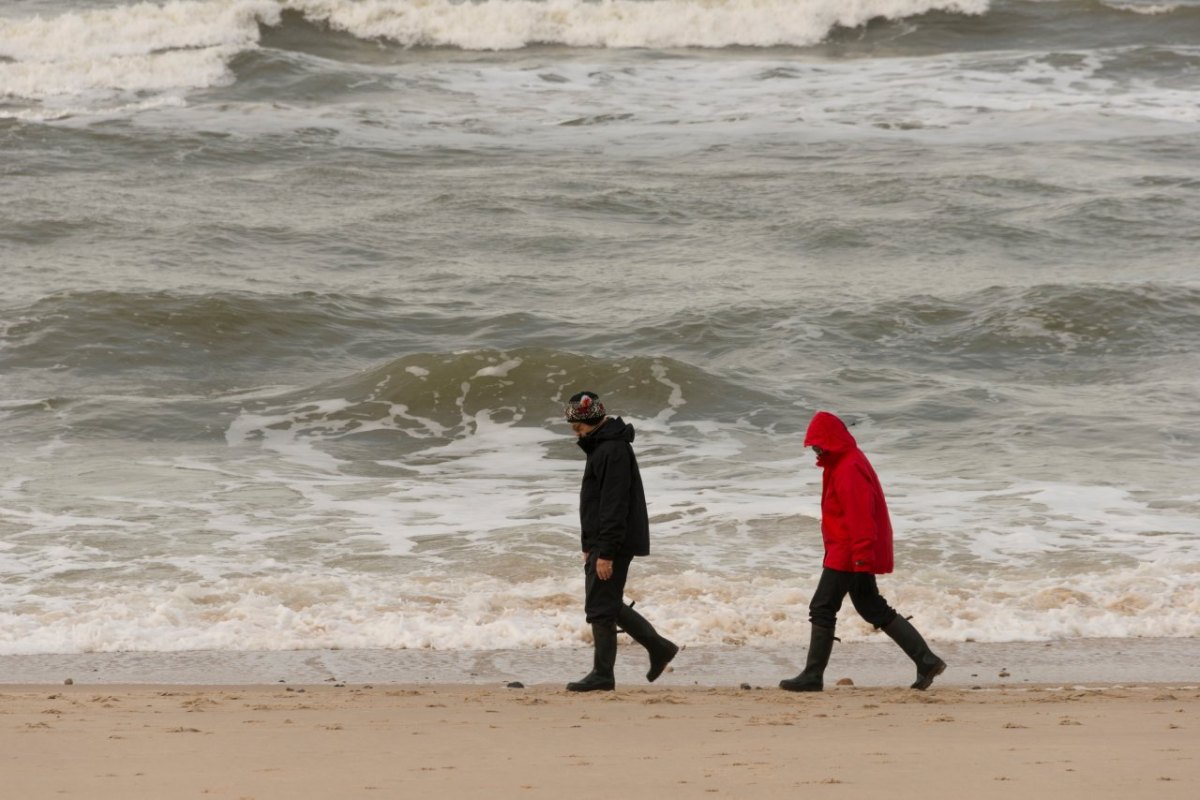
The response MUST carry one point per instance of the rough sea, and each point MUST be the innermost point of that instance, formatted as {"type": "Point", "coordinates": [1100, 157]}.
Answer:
{"type": "Point", "coordinates": [292, 292]}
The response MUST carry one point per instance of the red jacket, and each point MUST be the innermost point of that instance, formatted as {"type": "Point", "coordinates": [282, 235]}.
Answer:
{"type": "Point", "coordinates": [854, 516]}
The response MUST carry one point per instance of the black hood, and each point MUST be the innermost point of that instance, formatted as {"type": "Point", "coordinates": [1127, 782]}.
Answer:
{"type": "Point", "coordinates": [612, 428]}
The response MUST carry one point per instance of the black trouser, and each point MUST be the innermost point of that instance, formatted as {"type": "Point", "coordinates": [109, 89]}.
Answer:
{"type": "Point", "coordinates": [864, 594]}
{"type": "Point", "coordinates": [602, 600]}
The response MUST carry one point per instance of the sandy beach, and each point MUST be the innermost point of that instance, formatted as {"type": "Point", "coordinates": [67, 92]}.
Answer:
{"type": "Point", "coordinates": [324, 741]}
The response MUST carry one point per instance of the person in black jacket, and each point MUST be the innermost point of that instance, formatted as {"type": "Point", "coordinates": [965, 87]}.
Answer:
{"type": "Point", "coordinates": [614, 528]}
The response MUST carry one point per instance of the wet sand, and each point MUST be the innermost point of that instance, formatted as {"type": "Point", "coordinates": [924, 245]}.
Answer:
{"type": "Point", "coordinates": [875, 663]}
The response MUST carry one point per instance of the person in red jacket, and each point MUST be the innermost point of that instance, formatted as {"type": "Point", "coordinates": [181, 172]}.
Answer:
{"type": "Point", "coordinates": [858, 546]}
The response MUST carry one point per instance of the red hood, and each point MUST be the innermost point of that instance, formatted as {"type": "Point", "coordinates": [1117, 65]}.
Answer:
{"type": "Point", "coordinates": [829, 433]}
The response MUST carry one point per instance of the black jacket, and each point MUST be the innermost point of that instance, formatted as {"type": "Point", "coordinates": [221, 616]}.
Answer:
{"type": "Point", "coordinates": [612, 502]}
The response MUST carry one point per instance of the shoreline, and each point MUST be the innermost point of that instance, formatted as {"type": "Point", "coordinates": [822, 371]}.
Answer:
{"type": "Point", "coordinates": [867, 664]}
{"type": "Point", "coordinates": [265, 742]}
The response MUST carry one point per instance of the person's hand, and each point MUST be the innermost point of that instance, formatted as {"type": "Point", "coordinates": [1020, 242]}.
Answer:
{"type": "Point", "coordinates": [603, 568]}
{"type": "Point", "coordinates": [585, 555]}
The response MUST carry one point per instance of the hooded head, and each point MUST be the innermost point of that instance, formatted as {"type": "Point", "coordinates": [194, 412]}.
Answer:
{"type": "Point", "coordinates": [830, 434]}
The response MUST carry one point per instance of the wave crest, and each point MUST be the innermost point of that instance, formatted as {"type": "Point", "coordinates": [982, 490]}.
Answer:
{"type": "Point", "coordinates": [99, 57]}
{"type": "Point", "coordinates": [432, 398]}
{"type": "Point", "coordinates": [512, 24]}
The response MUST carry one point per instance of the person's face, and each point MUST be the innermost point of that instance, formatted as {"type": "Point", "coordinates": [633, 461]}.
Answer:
{"type": "Point", "coordinates": [582, 429]}
{"type": "Point", "coordinates": [818, 451]}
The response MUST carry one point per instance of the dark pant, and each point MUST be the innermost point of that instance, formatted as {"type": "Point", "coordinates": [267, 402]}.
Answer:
{"type": "Point", "coordinates": [864, 594]}
{"type": "Point", "coordinates": [602, 600]}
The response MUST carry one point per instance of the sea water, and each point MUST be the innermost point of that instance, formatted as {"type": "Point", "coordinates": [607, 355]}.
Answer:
{"type": "Point", "coordinates": [292, 293]}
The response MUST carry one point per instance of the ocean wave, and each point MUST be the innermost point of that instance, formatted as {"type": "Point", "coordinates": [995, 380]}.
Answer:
{"type": "Point", "coordinates": [333, 609]}
{"type": "Point", "coordinates": [1052, 320]}
{"type": "Point", "coordinates": [947, 332]}
{"type": "Point", "coordinates": [123, 60]}
{"type": "Point", "coordinates": [160, 365]}
{"type": "Point", "coordinates": [1150, 9]}
{"type": "Point", "coordinates": [340, 380]}
{"type": "Point", "coordinates": [510, 24]}
{"type": "Point", "coordinates": [203, 340]}
{"type": "Point", "coordinates": [111, 332]}
{"type": "Point", "coordinates": [111, 58]}
{"type": "Point", "coordinates": [109, 55]}
{"type": "Point", "coordinates": [434, 397]}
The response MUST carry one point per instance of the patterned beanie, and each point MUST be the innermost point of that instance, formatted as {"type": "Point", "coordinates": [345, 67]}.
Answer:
{"type": "Point", "coordinates": [584, 407]}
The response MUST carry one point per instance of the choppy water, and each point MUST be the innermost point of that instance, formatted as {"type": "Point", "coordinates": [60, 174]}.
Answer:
{"type": "Point", "coordinates": [293, 291]}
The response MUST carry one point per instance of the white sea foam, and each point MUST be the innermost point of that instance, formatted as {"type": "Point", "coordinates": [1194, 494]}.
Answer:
{"type": "Point", "coordinates": [472, 544]}
{"type": "Point", "coordinates": [1152, 9]}
{"type": "Point", "coordinates": [140, 29]}
{"type": "Point", "coordinates": [692, 103]}
{"type": "Point", "coordinates": [139, 73]}
{"type": "Point", "coordinates": [148, 57]}
{"type": "Point", "coordinates": [135, 30]}
{"type": "Point", "coordinates": [82, 59]}
{"type": "Point", "coordinates": [509, 24]}
{"type": "Point", "coordinates": [300, 609]}
{"type": "Point", "coordinates": [188, 44]}
{"type": "Point", "coordinates": [498, 370]}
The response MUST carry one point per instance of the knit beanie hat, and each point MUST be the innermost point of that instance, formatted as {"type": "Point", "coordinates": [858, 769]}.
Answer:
{"type": "Point", "coordinates": [584, 407]}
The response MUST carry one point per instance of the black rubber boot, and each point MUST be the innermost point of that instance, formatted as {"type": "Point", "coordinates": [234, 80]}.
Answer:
{"type": "Point", "coordinates": [604, 658]}
{"type": "Point", "coordinates": [929, 666]}
{"type": "Point", "coordinates": [661, 650]}
{"type": "Point", "coordinates": [812, 679]}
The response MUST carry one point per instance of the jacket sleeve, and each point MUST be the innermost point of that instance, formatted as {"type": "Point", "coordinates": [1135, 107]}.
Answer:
{"type": "Point", "coordinates": [615, 471]}
{"type": "Point", "coordinates": [857, 496]}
